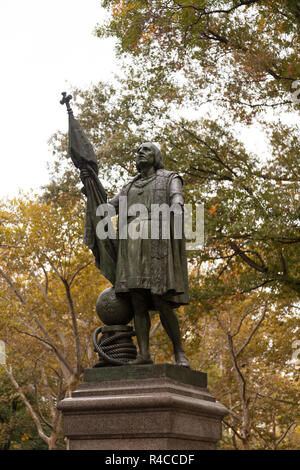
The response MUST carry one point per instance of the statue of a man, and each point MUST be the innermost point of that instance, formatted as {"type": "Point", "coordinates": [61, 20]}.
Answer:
{"type": "Point", "coordinates": [153, 271]}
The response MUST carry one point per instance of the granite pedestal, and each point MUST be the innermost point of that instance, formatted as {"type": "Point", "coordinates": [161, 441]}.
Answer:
{"type": "Point", "coordinates": [142, 407]}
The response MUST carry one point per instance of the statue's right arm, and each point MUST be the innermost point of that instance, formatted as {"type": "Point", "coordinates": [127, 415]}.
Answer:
{"type": "Point", "coordinates": [87, 173]}
{"type": "Point", "coordinates": [115, 202]}
{"type": "Point", "coordinates": [84, 173]}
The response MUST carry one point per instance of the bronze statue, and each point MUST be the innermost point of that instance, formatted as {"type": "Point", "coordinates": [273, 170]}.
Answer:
{"type": "Point", "coordinates": [151, 271]}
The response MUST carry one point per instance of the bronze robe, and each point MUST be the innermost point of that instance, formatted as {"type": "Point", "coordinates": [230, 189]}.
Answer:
{"type": "Point", "coordinates": [158, 266]}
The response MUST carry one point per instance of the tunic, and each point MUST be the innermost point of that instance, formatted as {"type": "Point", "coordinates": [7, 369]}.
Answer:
{"type": "Point", "coordinates": [159, 265]}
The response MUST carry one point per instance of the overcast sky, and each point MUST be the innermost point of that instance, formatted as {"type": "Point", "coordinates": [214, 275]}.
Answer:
{"type": "Point", "coordinates": [45, 47]}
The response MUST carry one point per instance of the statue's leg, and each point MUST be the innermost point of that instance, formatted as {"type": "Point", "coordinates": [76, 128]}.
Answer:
{"type": "Point", "coordinates": [170, 323]}
{"type": "Point", "coordinates": [142, 327]}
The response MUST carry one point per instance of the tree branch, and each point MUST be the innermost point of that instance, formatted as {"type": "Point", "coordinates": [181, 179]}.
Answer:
{"type": "Point", "coordinates": [253, 331]}
{"type": "Point", "coordinates": [33, 414]}
{"type": "Point", "coordinates": [294, 424]}
{"type": "Point", "coordinates": [74, 325]}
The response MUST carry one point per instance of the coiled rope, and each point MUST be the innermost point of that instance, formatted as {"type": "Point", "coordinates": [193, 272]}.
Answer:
{"type": "Point", "coordinates": [113, 351]}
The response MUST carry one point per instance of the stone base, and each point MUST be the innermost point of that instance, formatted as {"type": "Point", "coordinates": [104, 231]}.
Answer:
{"type": "Point", "coordinates": [142, 407]}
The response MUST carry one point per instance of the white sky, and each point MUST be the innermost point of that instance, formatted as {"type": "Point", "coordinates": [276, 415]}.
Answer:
{"type": "Point", "coordinates": [45, 47]}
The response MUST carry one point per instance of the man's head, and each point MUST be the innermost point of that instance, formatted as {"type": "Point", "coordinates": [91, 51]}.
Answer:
{"type": "Point", "coordinates": [148, 155]}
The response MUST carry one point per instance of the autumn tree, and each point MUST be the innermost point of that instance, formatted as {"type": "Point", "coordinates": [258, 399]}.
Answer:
{"type": "Point", "coordinates": [49, 286]}
{"type": "Point", "coordinates": [244, 345]}
{"type": "Point", "coordinates": [240, 54]}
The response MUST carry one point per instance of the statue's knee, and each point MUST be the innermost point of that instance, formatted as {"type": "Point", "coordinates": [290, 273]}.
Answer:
{"type": "Point", "coordinates": [157, 302]}
{"type": "Point", "coordinates": [137, 299]}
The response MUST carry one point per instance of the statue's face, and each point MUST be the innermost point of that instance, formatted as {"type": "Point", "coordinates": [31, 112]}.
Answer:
{"type": "Point", "coordinates": [145, 155]}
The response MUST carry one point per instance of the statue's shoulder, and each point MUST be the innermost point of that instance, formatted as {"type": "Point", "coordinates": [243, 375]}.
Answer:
{"type": "Point", "coordinates": [166, 173]}
{"type": "Point", "coordinates": [127, 185]}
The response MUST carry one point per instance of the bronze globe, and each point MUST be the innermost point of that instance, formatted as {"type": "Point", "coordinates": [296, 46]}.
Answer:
{"type": "Point", "coordinates": [113, 309]}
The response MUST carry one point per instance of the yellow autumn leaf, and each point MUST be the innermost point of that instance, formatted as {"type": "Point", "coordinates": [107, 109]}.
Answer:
{"type": "Point", "coordinates": [213, 209]}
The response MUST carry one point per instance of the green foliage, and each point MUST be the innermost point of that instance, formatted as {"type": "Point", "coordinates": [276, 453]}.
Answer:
{"type": "Point", "coordinates": [17, 431]}
{"type": "Point", "coordinates": [241, 54]}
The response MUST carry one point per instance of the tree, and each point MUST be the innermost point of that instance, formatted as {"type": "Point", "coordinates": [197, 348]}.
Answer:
{"type": "Point", "coordinates": [48, 289]}
{"type": "Point", "coordinates": [240, 54]}
{"type": "Point", "coordinates": [17, 430]}
{"type": "Point", "coordinates": [244, 345]}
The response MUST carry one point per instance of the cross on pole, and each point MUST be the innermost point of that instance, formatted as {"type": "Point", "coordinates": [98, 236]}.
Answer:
{"type": "Point", "coordinates": [66, 100]}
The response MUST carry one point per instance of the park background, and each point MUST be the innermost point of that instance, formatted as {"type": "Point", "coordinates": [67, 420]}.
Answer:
{"type": "Point", "coordinates": [215, 85]}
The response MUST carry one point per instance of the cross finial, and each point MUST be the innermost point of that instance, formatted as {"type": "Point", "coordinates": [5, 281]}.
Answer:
{"type": "Point", "coordinates": [66, 100]}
